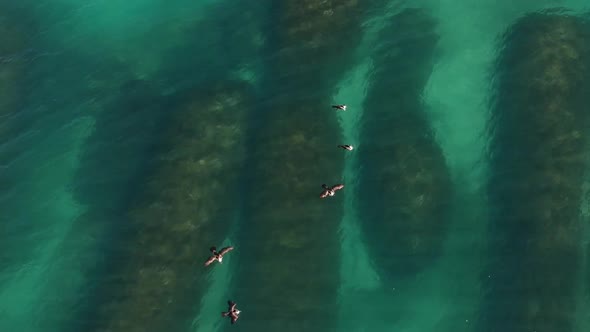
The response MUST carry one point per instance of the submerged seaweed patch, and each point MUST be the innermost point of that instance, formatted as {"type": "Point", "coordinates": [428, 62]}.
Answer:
{"type": "Point", "coordinates": [538, 161]}
{"type": "Point", "coordinates": [403, 166]}
{"type": "Point", "coordinates": [289, 274]}
{"type": "Point", "coordinates": [185, 209]}
{"type": "Point", "coordinates": [112, 167]}
{"type": "Point", "coordinates": [16, 27]}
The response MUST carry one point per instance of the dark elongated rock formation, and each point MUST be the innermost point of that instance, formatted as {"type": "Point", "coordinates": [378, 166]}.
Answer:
{"type": "Point", "coordinates": [187, 207]}
{"type": "Point", "coordinates": [289, 245]}
{"type": "Point", "coordinates": [538, 159]}
{"type": "Point", "coordinates": [405, 186]}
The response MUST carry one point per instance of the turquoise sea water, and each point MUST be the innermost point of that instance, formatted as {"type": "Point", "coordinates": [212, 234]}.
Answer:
{"type": "Point", "coordinates": [137, 134]}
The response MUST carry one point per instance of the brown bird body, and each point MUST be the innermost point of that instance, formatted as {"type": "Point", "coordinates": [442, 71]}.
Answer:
{"type": "Point", "coordinates": [232, 312]}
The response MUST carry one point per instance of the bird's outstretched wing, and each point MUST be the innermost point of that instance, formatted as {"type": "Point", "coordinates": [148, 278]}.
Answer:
{"type": "Point", "coordinates": [234, 318]}
{"type": "Point", "coordinates": [210, 260]}
{"type": "Point", "coordinates": [231, 305]}
{"type": "Point", "coordinates": [337, 187]}
{"type": "Point", "coordinates": [225, 250]}
{"type": "Point", "coordinates": [324, 194]}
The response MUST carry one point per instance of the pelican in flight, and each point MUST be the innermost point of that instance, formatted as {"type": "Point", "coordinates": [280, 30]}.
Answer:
{"type": "Point", "coordinates": [231, 312]}
{"type": "Point", "coordinates": [330, 191]}
{"type": "Point", "coordinates": [339, 107]}
{"type": "Point", "coordinates": [217, 255]}
{"type": "Point", "coordinates": [346, 147]}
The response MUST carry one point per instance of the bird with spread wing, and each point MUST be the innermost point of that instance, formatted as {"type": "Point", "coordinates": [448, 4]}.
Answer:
{"type": "Point", "coordinates": [330, 191]}
{"type": "Point", "coordinates": [217, 255]}
{"type": "Point", "coordinates": [232, 312]}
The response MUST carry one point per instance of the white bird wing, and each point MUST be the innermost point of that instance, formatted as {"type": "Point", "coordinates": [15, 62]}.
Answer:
{"type": "Point", "coordinates": [210, 260]}
{"type": "Point", "coordinates": [337, 187]}
{"type": "Point", "coordinates": [225, 250]}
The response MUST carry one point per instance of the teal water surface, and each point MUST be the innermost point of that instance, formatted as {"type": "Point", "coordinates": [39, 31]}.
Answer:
{"type": "Point", "coordinates": [135, 135]}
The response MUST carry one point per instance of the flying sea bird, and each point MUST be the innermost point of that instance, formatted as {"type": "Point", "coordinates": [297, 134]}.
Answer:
{"type": "Point", "coordinates": [330, 191]}
{"type": "Point", "coordinates": [346, 147]}
{"type": "Point", "coordinates": [217, 256]}
{"type": "Point", "coordinates": [232, 312]}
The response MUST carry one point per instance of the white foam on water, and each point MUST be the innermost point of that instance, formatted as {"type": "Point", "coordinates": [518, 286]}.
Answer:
{"type": "Point", "coordinates": [20, 296]}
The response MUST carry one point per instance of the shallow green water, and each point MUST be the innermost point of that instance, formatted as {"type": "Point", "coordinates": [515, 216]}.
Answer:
{"type": "Point", "coordinates": [92, 97]}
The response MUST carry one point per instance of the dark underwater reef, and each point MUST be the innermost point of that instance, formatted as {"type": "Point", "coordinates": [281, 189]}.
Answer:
{"type": "Point", "coordinates": [112, 167]}
{"type": "Point", "coordinates": [231, 34]}
{"type": "Point", "coordinates": [113, 161]}
{"type": "Point", "coordinates": [196, 130]}
{"type": "Point", "coordinates": [185, 207]}
{"type": "Point", "coordinates": [538, 158]}
{"type": "Point", "coordinates": [15, 40]}
{"type": "Point", "coordinates": [72, 95]}
{"type": "Point", "coordinates": [315, 42]}
{"type": "Point", "coordinates": [405, 187]}
{"type": "Point", "coordinates": [21, 49]}
{"type": "Point", "coordinates": [112, 164]}
{"type": "Point", "coordinates": [289, 248]}
{"type": "Point", "coordinates": [16, 28]}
